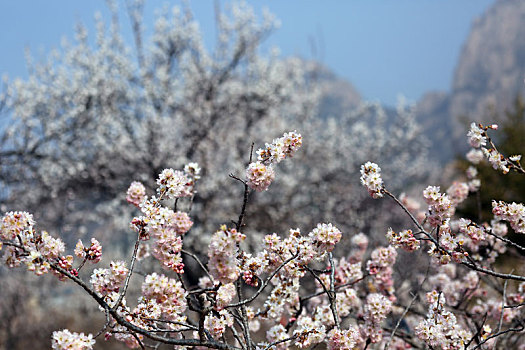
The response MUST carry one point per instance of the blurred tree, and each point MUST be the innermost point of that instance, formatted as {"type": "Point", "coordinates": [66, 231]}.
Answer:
{"type": "Point", "coordinates": [95, 117]}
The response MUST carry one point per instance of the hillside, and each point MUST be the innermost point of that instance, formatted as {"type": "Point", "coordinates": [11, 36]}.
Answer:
{"type": "Point", "coordinates": [489, 74]}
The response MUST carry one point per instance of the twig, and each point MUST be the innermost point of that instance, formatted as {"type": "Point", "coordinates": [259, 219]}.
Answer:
{"type": "Point", "coordinates": [264, 285]}
{"type": "Point", "coordinates": [332, 296]}
{"type": "Point", "coordinates": [493, 273]}
{"type": "Point", "coordinates": [122, 321]}
{"type": "Point", "coordinates": [503, 300]}
{"type": "Point", "coordinates": [128, 277]}
{"type": "Point", "coordinates": [196, 258]}
{"type": "Point", "coordinates": [399, 321]}
{"type": "Point", "coordinates": [106, 325]}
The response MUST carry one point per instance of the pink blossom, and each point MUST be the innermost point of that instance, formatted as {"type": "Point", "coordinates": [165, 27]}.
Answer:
{"type": "Point", "coordinates": [259, 176]}
{"type": "Point", "coordinates": [65, 340]}
{"type": "Point", "coordinates": [371, 179]}
{"type": "Point", "coordinates": [136, 193]}
{"type": "Point", "coordinates": [222, 252]}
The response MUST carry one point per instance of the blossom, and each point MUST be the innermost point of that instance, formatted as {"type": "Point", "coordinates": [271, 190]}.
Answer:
{"type": "Point", "coordinates": [440, 205]}
{"type": "Point", "coordinates": [346, 271]}
{"type": "Point", "coordinates": [222, 252]}
{"type": "Point", "coordinates": [174, 183]}
{"type": "Point", "coordinates": [458, 192]}
{"type": "Point", "coordinates": [193, 170]}
{"type": "Point", "coordinates": [440, 328]}
{"type": "Point", "coordinates": [471, 172]}
{"type": "Point", "coordinates": [136, 193]}
{"type": "Point", "coordinates": [325, 237]}
{"type": "Point", "coordinates": [225, 295]}
{"type": "Point", "coordinates": [404, 239]}
{"type": "Point", "coordinates": [377, 307]}
{"type": "Point", "coordinates": [277, 333]}
{"type": "Point", "coordinates": [106, 281]}
{"type": "Point", "coordinates": [93, 253]}
{"type": "Point", "coordinates": [181, 222]}
{"type": "Point", "coordinates": [285, 293]}
{"type": "Point", "coordinates": [380, 266]}
{"type": "Point", "coordinates": [50, 247]}
{"type": "Point", "coordinates": [15, 223]}
{"type": "Point", "coordinates": [259, 176]}
{"type": "Point", "coordinates": [308, 332]}
{"type": "Point", "coordinates": [342, 339]}
{"type": "Point", "coordinates": [217, 324]}
{"type": "Point", "coordinates": [167, 292]}
{"type": "Point", "coordinates": [292, 141]}
{"type": "Point", "coordinates": [496, 159]}
{"type": "Point", "coordinates": [475, 156]}
{"type": "Point", "coordinates": [477, 136]}
{"type": "Point", "coordinates": [65, 340]}
{"type": "Point", "coordinates": [280, 148]}
{"type": "Point", "coordinates": [513, 212]}
{"type": "Point", "coordinates": [35, 263]}
{"type": "Point", "coordinates": [371, 179]}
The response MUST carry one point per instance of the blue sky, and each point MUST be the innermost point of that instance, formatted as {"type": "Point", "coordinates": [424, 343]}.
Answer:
{"type": "Point", "coordinates": [383, 47]}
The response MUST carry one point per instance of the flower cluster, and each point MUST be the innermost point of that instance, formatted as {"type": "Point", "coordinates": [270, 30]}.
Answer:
{"type": "Point", "coordinates": [514, 213]}
{"type": "Point", "coordinates": [380, 266]}
{"type": "Point", "coordinates": [343, 339]}
{"type": "Point", "coordinates": [376, 309]}
{"type": "Point", "coordinates": [136, 193]}
{"type": "Point", "coordinates": [280, 148]}
{"type": "Point", "coordinates": [450, 245]}
{"type": "Point", "coordinates": [260, 174]}
{"type": "Point", "coordinates": [474, 183]}
{"type": "Point", "coordinates": [325, 237]}
{"type": "Point", "coordinates": [106, 281]}
{"type": "Point", "coordinates": [15, 223]}
{"type": "Point", "coordinates": [440, 328]}
{"type": "Point", "coordinates": [168, 294]}
{"type": "Point", "coordinates": [192, 170]}
{"type": "Point", "coordinates": [477, 136]}
{"type": "Point", "coordinates": [347, 272]}
{"type": "Point", "coordinates": [496, 159]}
{"type": "Point", "coordinates": [475, 232]}
{"type": "Point", "coordinates": [92, 254]}
{"type": "Point", "coordinates": [309, 332]}
{"type": "Point", "coordinates": [65, 340]}
{"type": "Point", "coordinates": [276, 334]}
{"type": "Point", "coordinates": [458, 192]}
{"type": "Point", "coordinates": [163, 224]}
{"type": "Point", "coordinates": [168, 238]}
{"type": "Point", "coordinates": [225, 295]}
{"type": "Point", "coordinates": [284, 297]}
{"type": "Point", "coordinates": [37, 250]}
{"type": "Point", "coordinates": [218, 323]}
{"type": "Point", "coordinates": [174, 184]}
{"type": "Point", "coordinates": [404, 239]}
{"type": "Point", "coordinates": [440, 206]}
{"type": "Point", "coordinates": [222, 252]}
{"type": "Point", "coordinates": [371, 179]}
{"type": "Point", "coordinates": [475, 156]}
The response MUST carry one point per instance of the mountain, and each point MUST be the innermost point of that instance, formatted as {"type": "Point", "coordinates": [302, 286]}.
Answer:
{"type": "Point", "coordinates": [337, 95]}
{"type": "Point", "coordinates": [489, 75]}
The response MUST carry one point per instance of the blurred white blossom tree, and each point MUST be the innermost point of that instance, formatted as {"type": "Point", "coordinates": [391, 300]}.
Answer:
{"type": "Point", "coordinates": [97, 115]}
